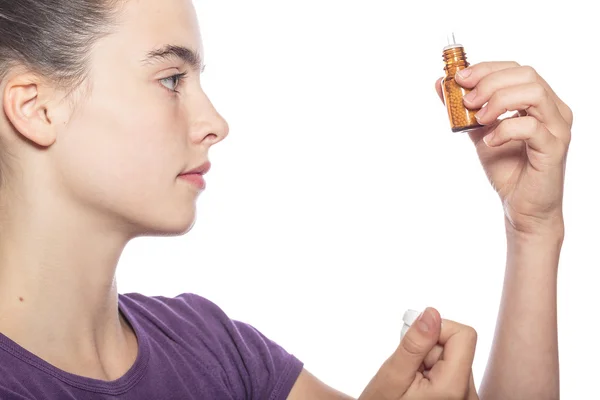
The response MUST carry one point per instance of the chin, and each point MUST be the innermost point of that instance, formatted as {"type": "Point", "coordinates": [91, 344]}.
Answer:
{"type": "Point", "coordinates": [176, 225]}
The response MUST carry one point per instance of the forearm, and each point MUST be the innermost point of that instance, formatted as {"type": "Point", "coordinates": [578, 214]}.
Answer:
{"type": "Point", "coordinates": [523, 362]}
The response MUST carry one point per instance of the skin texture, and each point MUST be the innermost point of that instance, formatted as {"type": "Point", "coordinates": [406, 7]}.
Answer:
{"type": "Point", "coordinates": [525, 160]}
{"type": "Point", "coordinates": [97, 169]}
{"type": "Point", "coordinates": [89, 170]}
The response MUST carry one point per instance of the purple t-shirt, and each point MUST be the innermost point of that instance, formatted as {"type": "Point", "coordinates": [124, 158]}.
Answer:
{"type": "Point", "coordinates": [188, 349]}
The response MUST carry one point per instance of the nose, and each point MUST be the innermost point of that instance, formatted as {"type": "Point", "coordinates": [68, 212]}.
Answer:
{"type": "Point", "coordinates": [207, 126]}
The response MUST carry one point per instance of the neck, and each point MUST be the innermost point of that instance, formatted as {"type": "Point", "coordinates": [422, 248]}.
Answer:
{"type": "Point", "coordinates": [58, 294]}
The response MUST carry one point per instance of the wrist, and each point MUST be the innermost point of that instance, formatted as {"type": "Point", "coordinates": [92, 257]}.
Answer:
{"type": "Point", "coordinates": [539, 250]}
{"type": "Point", "coordinates": [546, 240]}
{"type": "Point", "coordinates": [548, 230]}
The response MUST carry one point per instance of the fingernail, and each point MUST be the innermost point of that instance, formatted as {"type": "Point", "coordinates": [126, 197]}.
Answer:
{"type": "Point", "coordinates": [480, 114]}
{"type": "Point", "coordinates": [488, 138]}
{"type": "Point", "coordinates": [464, 73]}
{"type": "Point", "coordinates": [425, 321]}
{"type": "Point", "coordinates": [471, 95]}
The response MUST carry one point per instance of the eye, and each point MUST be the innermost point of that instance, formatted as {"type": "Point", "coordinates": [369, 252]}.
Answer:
{"type": "Point", "coordinates": [172, 82]}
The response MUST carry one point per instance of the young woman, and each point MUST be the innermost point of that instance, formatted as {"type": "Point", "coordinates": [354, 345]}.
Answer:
{"type": "Point", "coordinates": [104, 137]}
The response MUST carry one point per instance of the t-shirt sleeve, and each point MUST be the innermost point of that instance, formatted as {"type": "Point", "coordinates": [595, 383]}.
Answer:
{"type": "Point", "coordinates": [256, 367]}
{"type": "Point", "coordinates": [269, 370]}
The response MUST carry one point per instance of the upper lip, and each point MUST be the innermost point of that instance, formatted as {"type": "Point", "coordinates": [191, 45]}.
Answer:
{"type": "Point", "coordinates": [202, 169]}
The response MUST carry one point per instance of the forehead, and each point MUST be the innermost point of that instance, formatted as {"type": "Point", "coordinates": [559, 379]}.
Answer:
{"type": "Point", "coordinates": [151, 24]}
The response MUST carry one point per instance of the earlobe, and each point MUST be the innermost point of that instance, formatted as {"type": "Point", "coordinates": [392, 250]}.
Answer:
{"type": "Point", "coordinates": [27, 111]}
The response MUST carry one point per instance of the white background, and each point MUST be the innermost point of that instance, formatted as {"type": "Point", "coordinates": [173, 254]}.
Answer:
{"type": "Point", "coordinates": [341, 198]}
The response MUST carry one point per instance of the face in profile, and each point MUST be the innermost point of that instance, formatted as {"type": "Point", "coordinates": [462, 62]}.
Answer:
{"type": "Point", "coordinates": [142, 121]}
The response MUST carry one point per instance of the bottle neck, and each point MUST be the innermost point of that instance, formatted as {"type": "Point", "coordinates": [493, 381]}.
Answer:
{"type": "Point", "coordinates": [455, 59]}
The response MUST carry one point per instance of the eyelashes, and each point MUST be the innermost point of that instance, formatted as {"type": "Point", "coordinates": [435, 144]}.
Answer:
{"type": "Point", "coordinates": [172, 82]}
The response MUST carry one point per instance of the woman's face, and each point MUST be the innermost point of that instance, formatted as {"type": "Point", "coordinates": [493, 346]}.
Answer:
{"type": "Point", "coordinates": [142, 124]}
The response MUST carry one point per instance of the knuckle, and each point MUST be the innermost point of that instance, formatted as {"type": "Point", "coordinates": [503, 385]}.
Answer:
{"type": "Point", "coordinates": [568, 114]}
{"type": "Point", "coordinates": [528, 123]}
{"type": "Point", "coordinates": [510, 126]}
{"type": "Point", "coordinates": [533, 124]}
{"type": "Point", "coordinates": [496, 98]}
{"type": "Point", "coordinates": [530, 72]}
{"type": "Point", "coordinates": [538, 90]}
{"type": "Point", "coordinates": [411, 346]}
{"type": "Point", "coordinates": [502, 129]}
{"type": "Point", "coordinates": [469, 333]}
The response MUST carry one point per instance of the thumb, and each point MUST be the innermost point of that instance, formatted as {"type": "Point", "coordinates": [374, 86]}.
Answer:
{"type": "Point", "coordinates": [419, 340]}
{"type": "Point", "coordinates": [438, 89]}
{"type": "Point", "coordinates": [399, 371]}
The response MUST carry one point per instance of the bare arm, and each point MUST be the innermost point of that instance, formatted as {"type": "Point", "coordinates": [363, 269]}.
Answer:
{"type": "Point", "coordinates": [307, 386]}
{"type": "Point", "coordinates": [523, 362]}
{"type": "Point", "coordinates": [401, 376]}
{"type": "Point", "coordinates": [524, 158]}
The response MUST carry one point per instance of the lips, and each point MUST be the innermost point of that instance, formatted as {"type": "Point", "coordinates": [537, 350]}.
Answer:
{"type": "Point", "coordinates": [201, 170]}
{"type": "Point", "coordinates": [195, 175]}
{"type": "Point", "coordinates": [195, 179]}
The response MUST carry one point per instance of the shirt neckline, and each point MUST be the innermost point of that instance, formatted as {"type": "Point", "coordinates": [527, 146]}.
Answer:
{"type": "Point", "coordinates": [115, 387]}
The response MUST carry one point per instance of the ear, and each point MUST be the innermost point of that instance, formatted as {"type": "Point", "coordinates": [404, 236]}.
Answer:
{"type": "Point", "coordinates": [26, 105]}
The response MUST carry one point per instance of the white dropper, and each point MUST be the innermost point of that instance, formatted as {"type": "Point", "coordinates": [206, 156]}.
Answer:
{"type": "Point", "coordinates": [452, 44]}
{"type": "Point", "coordinates": [409, 317]}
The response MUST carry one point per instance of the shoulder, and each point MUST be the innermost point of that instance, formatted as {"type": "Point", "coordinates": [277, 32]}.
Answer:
{"type": "Point", "coordinates": [183, 306]}
{"type": "Point", "coordinates": [256, 362]}
{"type": "Point", "coordinates": [182, 302]}
{"type": "Point", "coordinates": [189, 317]}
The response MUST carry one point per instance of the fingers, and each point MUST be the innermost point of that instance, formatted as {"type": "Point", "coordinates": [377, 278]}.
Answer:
{"type": "Point", "coordinates": [399, 371]}
{"type": "Point", "coordinates": [419, 340]}
{"type": "Point", "coordinates": [488, 84]}
{"type": "Point", "coordinates": [448, 350]}
{"type": "Point", "coordinates": [438, 88]}
{"type": "Point", "coordinates": [471, 76]}
{"type": "Point", "coordinates": [433, 357]}
{"type": "Point", "coordinates": [531, 97]}
{"type": "Point", "coordinates": [454, 371]}
{"type": "Point", "coordinates": [529, 129]}
{"type": "Point", "coordinates": [494, 75]}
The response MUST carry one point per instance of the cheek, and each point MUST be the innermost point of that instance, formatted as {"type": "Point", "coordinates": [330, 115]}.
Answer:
{"type": "Point", "coordinates": [128, 149]}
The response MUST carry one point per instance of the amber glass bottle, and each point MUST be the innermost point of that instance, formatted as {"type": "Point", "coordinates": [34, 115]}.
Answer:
{"type": "Point", "coordinates": [461, 118]}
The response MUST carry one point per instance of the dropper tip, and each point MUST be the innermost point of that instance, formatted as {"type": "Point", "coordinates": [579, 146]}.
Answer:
{"type": "Point", "coordinates": [451, 41]}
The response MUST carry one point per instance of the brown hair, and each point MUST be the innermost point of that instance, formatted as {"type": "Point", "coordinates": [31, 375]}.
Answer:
{"type": "Point", "coordinates": [52, 38]}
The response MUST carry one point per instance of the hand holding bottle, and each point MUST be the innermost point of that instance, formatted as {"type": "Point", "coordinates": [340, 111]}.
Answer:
{"type": "Point", "coordinates": [432, 362]}
{"type": "Point", "coordinates": [524, 157]}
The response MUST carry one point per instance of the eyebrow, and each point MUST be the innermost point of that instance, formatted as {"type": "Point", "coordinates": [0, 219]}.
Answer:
{"type": "Point", "coordinates": [184, 54]}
